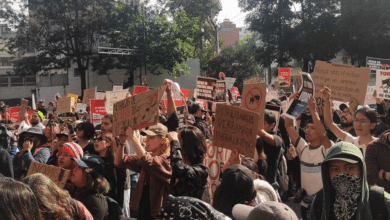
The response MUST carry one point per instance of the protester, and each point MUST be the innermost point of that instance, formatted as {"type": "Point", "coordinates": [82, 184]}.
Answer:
{"type": "Point", "coordinates": [91, 185]}
{"type": "Point", "coordinates": [364, 123]}
{"type": "Point", "coordinates": [377, 161]}
{"type": "Point", "coordinates": [154, 167]}
{"type": "Point", "coordinates": [51, 108]}
{"type": "Point", "coordinates": [311, 152]}
{"type": "Point", "coordinates": [236, 188]}
{"type": "Point", "coordinates": [36, 120]}
{"type": "Point", "coordinates": [41, 108]}
{"type": "Point", "coordinates": [197, 110]}
{"type": "Point", "coordinates": [54, 202]}
{"type": "Point", "coordinates": [6, 167]}
{"type": "Point", "coordinates": [85, 132]}
{"type": "Point", "coordinates": [18, 202]}
{"type": "Point", "coordinates": [32, 144]}
{"type": "Point", "coordinates": [188, 150]}
{"type": "Point", "coordinates": [346, 194]}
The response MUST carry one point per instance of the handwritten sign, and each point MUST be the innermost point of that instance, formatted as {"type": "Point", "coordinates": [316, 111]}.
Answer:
{"type": "Point", "coordinates": [236, 128]}
{"type": "Point", "coordinates": [284, 77]}
{"type": "Point", "coordinates": [57, 174]}
{"type": "Point", "coordinates": [137, 112]}
{"type": "Point", "coordinates": [100, 95]}
{"type": "Point", "coordinates": [345, 81]}
{"type": "Point", "coordinates": [112, 97]}
{"type": "Point", "coordinates": [64, 105]}
{"type": "Point", "coordinates": [98, 111]}
{"type": "Point", "coordinates": [254, 99]}
{"type": "Point", "coordinates": [205, 88]}
{"type": "Point", "coordinates": [215, 158]}
{"type": "Point", "coordinates": [89, 94]}
{"type": "Point", "coordinates": [74, 103]}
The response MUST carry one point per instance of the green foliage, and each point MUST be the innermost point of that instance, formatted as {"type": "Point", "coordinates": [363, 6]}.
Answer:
{"type": "Point", "coordinates": [237, 61]}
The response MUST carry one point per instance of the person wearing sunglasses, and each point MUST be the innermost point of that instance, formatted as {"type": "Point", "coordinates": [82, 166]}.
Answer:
{"type": "Point", "coordinates": [84, 133]}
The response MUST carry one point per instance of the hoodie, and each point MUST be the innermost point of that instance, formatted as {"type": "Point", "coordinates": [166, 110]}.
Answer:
{"type": "Point", "coordinates": [327, 196]}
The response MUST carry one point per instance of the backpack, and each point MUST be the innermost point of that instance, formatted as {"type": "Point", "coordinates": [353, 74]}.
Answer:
{"type": "Point", "coordinates": [281, 174]}
{"type": "Point", "coordinates": [114, 210]}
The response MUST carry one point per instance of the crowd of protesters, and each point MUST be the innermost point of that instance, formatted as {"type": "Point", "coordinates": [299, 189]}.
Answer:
{"type": "Point", "coordinates": [337, 166]}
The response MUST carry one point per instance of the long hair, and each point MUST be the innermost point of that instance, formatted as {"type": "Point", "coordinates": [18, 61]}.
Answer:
{"type": "Point", "coordinates": [110, 150]}
{"type": "Point", "coordinates": [18, 202]}
{"type": "Point", "coordinates": [88, 128]}
{"type": "Point", "coordinates": [260, 149]}
{"type": "Point", "coordinates": [95, 182]}
{"type": "Point", "coordinates": [193, 144]}
{"type": "Point", "coordinates": [53, 202]}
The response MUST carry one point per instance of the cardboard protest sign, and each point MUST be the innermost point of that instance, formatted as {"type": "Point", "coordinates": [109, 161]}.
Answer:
{"type": "Point", "coordinates": [271, 95]}
{"type": "Point", "coordinates": [137, 112]}
{"type": "Point", "coordinates": [274, 110]}
{"type": "Point", "coordinates": [117, 87]}
{"type": "Point", "coordinates": [89, 94]}
{"type": "Point", "coordinates": [81, 108]}
{"type": "Point", "coordinates": [98, 111]}
{"type": "Point", "coordinates": [100, 95]}
{"type": "Point", "coordinates": [75, 98]}
{"type": "Point", "coordinates": [370, 99]}
{"type": "Point", "coordinates": [383, 84]}
{"type": "Point", "coordinates": [297, 106]}
{"type": "Point", "coordinates": [64, 105]}
{"type": "Point", "coordinates": [215, 158]}
{"type": "Point", "coordinates": [235, 93]}
{"type": "Point", "coordinates": [140, 89]}
{"type": "Point", "coordinates": [254, 98]}
{"type": "Point", "coordinates": [229, 82]}
{"type": "Point", "coordinates": [284, 77]}
{"type": "Point", "coordinates": [252, 80]}
{"type": "Point", "coordinates": [23, 109]}
{"type": "Point", "coordinates": [205, 88]}
{"type": "Point", "coordinates": [345, 81]}
{"type": "Point", "coordinates": [57, 174]}
{"type": "Point", "coordinates": [112, 97]}
{"type": "Point", "coordinates": [236, 128]}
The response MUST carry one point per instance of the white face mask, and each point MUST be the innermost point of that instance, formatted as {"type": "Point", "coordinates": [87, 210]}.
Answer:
{"type": "Point", "coordinates": [348, 190]}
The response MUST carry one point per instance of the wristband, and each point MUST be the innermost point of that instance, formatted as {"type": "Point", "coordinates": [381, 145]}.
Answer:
{"type": "Point", "coordinates": [384, 175]}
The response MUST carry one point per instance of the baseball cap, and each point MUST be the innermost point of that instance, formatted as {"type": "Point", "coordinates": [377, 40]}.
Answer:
{"type": "Point", "coordinates": [158, 129]}
{"type": "Point", "coordinates": [241, 179]}
{"type": "Point", "coordinates": [343, 106]}
{"type": "Point", "coordinates": [191, 119]}
{"type": "Point", "coordinates": [270, 210]}
{"type": "Point", "coordinates": [92, 161]}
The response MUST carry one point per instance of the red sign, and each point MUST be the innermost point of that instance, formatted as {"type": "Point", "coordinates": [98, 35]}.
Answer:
{"type": "Point", "coordinates": [13, 114]}
{"type": "Point", "coordinates": [178, 102]}
{"type": "Point", "coordinates": [284, 77]}
{"type": "Point", "coordinates": [140, 89]}
{"type": "Point", "coordinates": [98, 111]}
{"type": "Point", "coordinates": [235, 93]}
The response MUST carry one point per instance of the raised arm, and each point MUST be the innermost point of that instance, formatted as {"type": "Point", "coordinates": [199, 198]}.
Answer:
{"type": "Point", "coordinates": [340, 134]}
{"type": "Point", "coordinates": [320, 129]}
{"type": "Point", "coordinates": [289, 124]}
{"type": "Point", "coordinates": [171, 108]}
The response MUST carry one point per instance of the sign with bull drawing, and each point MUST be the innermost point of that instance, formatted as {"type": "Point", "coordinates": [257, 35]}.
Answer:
{"type": "Point", "coordinates": [254, 99]}
{"type": "Point", "coordinates": [137, 112]}
{"type": "Point", "coordinates": [383, 84]}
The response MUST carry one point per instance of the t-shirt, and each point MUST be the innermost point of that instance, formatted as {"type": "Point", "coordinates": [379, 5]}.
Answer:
{"type": "Point", "coordinates": [311, 159]}
{"type": "Point", "coordinates": [355, 140]}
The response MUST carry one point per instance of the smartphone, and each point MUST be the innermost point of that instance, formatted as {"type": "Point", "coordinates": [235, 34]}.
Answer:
{"type": "Point", "coordinates": [70, 128]}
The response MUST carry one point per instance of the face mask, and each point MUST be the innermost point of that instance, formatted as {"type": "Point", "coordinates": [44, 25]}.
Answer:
{"type": "Point", "coordinates": [348, 190]}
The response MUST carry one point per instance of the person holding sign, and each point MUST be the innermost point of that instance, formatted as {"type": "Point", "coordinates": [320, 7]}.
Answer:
{"type": "Point", "coordinates": [311, 152]}
{"type": "Point", "coordinates": [154, 167]}
{"type": "Point", "coordinates": [364, 123]}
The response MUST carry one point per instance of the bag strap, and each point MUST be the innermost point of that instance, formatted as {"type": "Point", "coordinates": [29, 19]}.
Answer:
{"type": "Point", "coordinates": [377, 203]}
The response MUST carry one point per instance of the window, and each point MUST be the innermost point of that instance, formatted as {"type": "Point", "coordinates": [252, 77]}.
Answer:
{"type": "Point", "coordinates": [3, 81]}
{"type": "Point", "coordinates": [76, 72]}
{"type": "Point", "coordinates": [16, 81]}
{"type": "Point", "coordinates": [30, 81]}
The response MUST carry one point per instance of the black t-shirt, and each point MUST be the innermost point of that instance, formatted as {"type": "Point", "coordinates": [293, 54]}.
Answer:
{"type": "Point", "coordinates": [90, 149]}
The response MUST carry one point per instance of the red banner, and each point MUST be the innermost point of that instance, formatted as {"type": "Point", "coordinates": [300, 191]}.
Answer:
{"type": "Point", "coordinates": [178, 102]}
{"type": "Point", "coordinates": [98, 111]}
{"type": "Point", "coordinates": [13, 114]}
{"type": "Point", "coordinates": [140, 89]}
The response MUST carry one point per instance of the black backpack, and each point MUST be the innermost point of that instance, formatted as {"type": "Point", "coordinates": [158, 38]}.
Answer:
{"type": "Point", "coordinates": [281, 174]}
{"type": "Point", "coordinates": [114, 210]}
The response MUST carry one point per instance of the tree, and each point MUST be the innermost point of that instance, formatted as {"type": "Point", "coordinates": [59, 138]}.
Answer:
{"type": "Point", "coordinates": [59, 33]}
{"type": "Point", "coordinates": [237, 61]}
{"type": "Point", "coordinates": [163, 44]}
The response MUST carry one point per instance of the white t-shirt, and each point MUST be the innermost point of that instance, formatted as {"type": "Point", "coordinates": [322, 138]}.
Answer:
{"type": "Point", "coordinates": [311, 159]}
{"type": "Point", "coordinates": [355, 140]}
